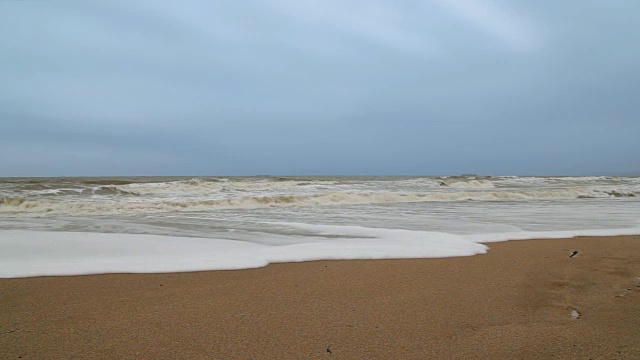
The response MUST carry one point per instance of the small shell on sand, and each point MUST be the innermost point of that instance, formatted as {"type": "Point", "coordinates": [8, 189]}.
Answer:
{"type": "Point", "coordinates": [575, 314]}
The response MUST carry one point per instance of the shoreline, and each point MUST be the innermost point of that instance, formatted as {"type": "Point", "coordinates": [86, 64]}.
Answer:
{"type": "Point", "coordinates": [34, 253]}
{"type": "Point", "coordinates": [523, 299]}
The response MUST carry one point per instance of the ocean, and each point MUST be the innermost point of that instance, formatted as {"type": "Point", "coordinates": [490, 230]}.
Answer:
{"type": "Point", "coordinates": [72, 226]}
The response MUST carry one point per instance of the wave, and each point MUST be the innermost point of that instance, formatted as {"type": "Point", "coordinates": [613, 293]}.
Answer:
{"type": "Point", "coordinates": [218, 187]}
{"type": "Point", "coordinates": [109, 190]}
{"type": "Point", "coordinates": [107, 182]}
{"type": "Point", "coordinates": [468, 184]}
{"type": "Point", "coordinates": [48, 206]}
{"type": "Point", "coordinates": [12, 201]}
{"type": "Point", "coordinates": [201, 186]}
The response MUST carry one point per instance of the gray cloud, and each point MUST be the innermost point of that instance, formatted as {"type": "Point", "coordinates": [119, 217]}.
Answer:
{"type": "Point", "coordinates": [318, 87]}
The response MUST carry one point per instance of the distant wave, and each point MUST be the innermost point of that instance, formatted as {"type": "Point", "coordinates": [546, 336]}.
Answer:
{"type": "Point", "coordinates": [199, 186]}
{"type": "Point", "coordinates": [107, 182]}
{"type": "Point", "coordinates": [109, 190]}
{"type": "Point", "coordinates": [467, 184]}
{"type": "Point", "coordinates": [176, 187]}
{"type": "Point", "coordinates": [49, 206]}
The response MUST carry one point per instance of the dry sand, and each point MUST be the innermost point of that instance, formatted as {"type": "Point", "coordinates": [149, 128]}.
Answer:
{"type": "Point", "coordinates": [515, 302]}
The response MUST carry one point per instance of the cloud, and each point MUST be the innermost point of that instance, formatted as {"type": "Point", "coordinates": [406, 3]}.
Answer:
{"type": "Point", "coordinates": [380, 23]}
{"type": "Point", "coordinates": [283, 86]}
{"type": "Point", "coordinates": [514, 30]}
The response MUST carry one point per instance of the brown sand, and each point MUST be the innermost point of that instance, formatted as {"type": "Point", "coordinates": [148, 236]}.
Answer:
{"type": "Point", "coordinates": [515, 302]}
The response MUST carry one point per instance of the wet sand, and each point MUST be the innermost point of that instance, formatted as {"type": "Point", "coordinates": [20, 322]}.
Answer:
{"type": "Point", "coordinates": [515, 302]}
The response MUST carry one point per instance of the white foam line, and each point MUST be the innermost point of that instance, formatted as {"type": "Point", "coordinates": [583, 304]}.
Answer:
{"type": "Point", "coordinates": [530, 235]}
{"type": "Point", "coordinates": [38, 253]}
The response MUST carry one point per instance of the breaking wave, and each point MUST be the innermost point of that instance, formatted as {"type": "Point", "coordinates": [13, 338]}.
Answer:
{"type": "Point", "coordinates": [48, 206]}
{"type": "Point", "coordinates": [12, 201]}
{"type": "Point", "coordinates": [200, 186]}
{"type": "Point", "coordinates": [107, 182]}
{"type": "Point", "coordinates": [109, 190]}
{"type": "Point", "coordinates": [468, 184]}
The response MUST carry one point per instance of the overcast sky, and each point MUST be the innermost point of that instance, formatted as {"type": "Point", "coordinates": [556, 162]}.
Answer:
{"type": "Point", "coordinates": [289, 87]}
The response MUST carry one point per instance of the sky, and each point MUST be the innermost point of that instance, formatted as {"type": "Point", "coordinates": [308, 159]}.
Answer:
{"type": "Point", "coordinates": [319, 87]}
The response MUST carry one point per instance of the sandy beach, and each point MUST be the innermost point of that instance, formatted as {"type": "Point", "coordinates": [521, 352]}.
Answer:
{"type": "Point", "coordinates": [524, 299]}
{"type": "Point", "coordinates": [319, 180]}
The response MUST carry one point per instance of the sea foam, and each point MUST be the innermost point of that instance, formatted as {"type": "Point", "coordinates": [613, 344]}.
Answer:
{"type": "Point", "coordinates": [232, 223]}
{"type": "Point", "coordinates": [38, 253]}
{"type": "Point", "coordinates": [38, 207]}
